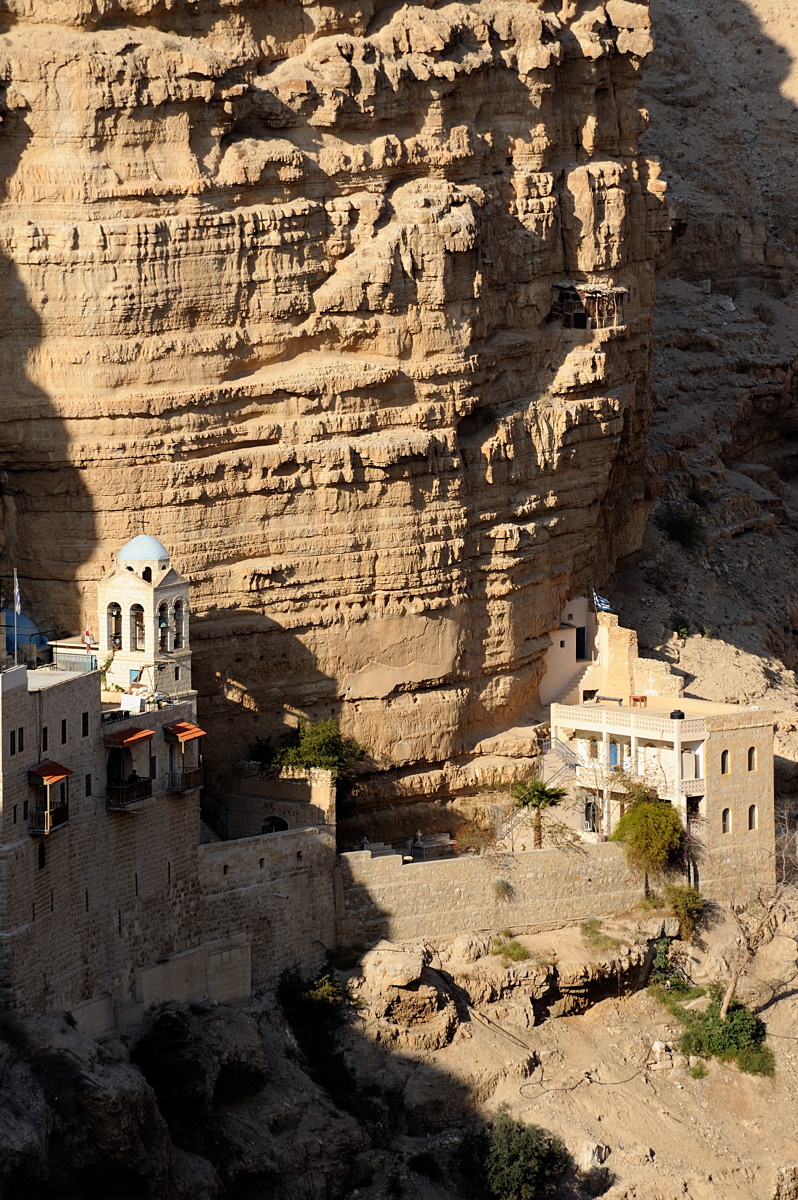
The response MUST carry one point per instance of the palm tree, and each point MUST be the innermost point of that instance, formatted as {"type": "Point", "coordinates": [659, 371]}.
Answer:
{"type": "Point", "coordinates": [536, 795]}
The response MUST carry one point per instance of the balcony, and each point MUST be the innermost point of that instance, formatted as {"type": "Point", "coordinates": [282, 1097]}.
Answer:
{"type": "Point", "coordinates": [44, 819]}
{"type": "Point", "coordinates": [694, 787]}
{"type": "Point", "coordinates": [183, 781]}
{"type": "Point", "coordinates": [120, 796]}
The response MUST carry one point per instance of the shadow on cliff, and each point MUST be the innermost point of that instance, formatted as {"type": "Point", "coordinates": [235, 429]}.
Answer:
{"type": "Point", "coordinates": [46, 512]}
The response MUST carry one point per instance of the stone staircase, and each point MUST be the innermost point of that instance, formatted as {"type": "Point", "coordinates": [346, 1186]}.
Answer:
{"type": "Point", "coordinates": [206, 834]}
{"type": "Point", "coordinates": [590, 674]}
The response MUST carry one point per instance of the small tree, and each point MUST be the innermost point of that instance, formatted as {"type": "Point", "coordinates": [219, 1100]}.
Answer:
{"type": "Point", "coordinates": [535, 794]}
{"type": "Point", "coordinates": [524, 1161]}
{"type": "Point", "coordinates": [322, 745]}
{"type": "Point", "coordinates": [650, 832]}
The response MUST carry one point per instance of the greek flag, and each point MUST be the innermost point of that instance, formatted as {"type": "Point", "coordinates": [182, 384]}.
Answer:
{"type": "Point", "coordinates": [600, 604]}
{"type": "Point", "coordinates": [17, 600]}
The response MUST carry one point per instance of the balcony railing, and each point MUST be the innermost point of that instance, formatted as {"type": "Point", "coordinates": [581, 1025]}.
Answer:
{"type": "Point", "coordinates": [694, 787]}
{"type": "Point", "coordinates": [122, 795]}
{"type": "Point", "coordinates": [183, 781]}
{"type": "Point", "coordinates": [44, 820]}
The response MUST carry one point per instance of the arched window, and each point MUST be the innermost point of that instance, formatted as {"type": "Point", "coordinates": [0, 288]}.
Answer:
{"type": "Point", "coordinates": [114, 618]}
{"type": "Point", "coordinates": [146, 574]}
{"type": "Point", "coordinates": [752, 816]}
{"type": "Point", "coordinates": [178, 619]}
{"type": "Point", "coordinates": [136, 627]}
{"type": "Point", "coordinates": [725, 821]}
{"type": "Point", "coordinates": [163, 627]}
{"type": "Point", "coordinates": [613, 753]}
{"type": "Point", "coordinates": [752, 758]}
{"type": "Point", "coordinates": [592, 748]}
{"type": "Point", "coordinates": [724, 762]}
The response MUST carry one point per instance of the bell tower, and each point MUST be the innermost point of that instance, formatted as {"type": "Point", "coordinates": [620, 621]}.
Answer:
{"type": "Point", "coordinates": [143, 614]}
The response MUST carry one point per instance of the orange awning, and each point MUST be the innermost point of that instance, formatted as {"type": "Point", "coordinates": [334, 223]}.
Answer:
{"type": "Point", "coordinates": [130, 736]}
{"type": "Point", "coordinates": [182, 731]}
{"type": "Point", "coordinates": [48, 772]}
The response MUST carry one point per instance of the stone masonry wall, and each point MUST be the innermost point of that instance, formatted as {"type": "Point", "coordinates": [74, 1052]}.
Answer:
{"type": "Point", "coordinates": [279, 888]}
{"type": "Point", "coordinates": [382, 898]}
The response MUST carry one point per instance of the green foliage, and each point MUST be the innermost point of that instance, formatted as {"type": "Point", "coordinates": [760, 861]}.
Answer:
{"type": "Point", "coordinates": [649, 902]}
{"type": "Point", "coordinates": [591, 932]}
{"type": "Point", "coordinates": [503, 889]}
{"type": "Point", "coordinates": [699, 1071]}
{"type": "Point", "coordinates": [740, 1038]}
{"type": "Point", "coordinates": [538, 795]}
{"type": "Point", "coordinates": [524, 1162]}
{"type": "Point", "coordinates": [425, 1164]}
{"type": "Point", "coordinates": [687, 904]}
{"type": "Point", "coordinates": [322, 745]}
{"type": "Point", "coordinates": [314, 1011]}
{"type": "Point", "coordinates": [510, 951]}
{"type": "Point", "coordinates": [680, 525]}
{"type": "Point", "coordinates": [704, 631]}
{"type": "Point", "coordinates": [474, 835]}
{"type": "Point", "coordinates": [651, 834]}
{"type": "Point", "coordinates": [680, 624]}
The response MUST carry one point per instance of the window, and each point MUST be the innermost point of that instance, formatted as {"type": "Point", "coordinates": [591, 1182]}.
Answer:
{"type": "Point", "coordinates": [114, 618]}
{"type": "Point", "coordinates": [725, 821]}
{"type": "Point", "coordinates": [84, 725]}
{"type": "Point", "coordinates": [42, 856]}
{"type": "Point", "coordinates": [63, 731]}
{"type": "Point", "coordinates": [146, 574]}
{"type": "Point", "coordinates": [153, 766]}
{"type": "Point", "coordinates": [163, 628]}
{"type": "Point", "coordinates": [44, 738]}
{"type": "Point", "coordinates": [136, 627]}
{"type": "Point", "coordinates": [724, 762]}
{"type": "Point", "coordinates": [177, 674]}
{"type": "Point", "coordinates": [20, 739]}
{"type": "Point", "coordinates": [752, 817]}
{"type": "Point", "coordinates": [24, 810]}
{"type": "Point", "coordinates": [88, 785]}
{"type": "Point", "coordinates": [15, 814]}
{"type": "Point", "coordinates": [12, 742]}
{"type": "Point", "coordinates": [752, 758]}
{"type": "Point", "coordinates": [62, 791]}
{"type": "Point", "coordinates": [592, 748]}
{"type": "Point", "coordinates": [178, 625]}
{"type": "Point", "coordinates": [562, 645]}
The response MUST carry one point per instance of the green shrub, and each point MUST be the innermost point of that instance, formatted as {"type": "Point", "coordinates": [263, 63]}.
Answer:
{"type": "Point", "coordinates": [680, 625]}
{"type": "Point", "coordinates": [503, 889]}
{"type": "Point", "coordinates": [740, 1038]}
{"type": "Point", "coordinates": [524, 1162]}
{"type": "Point", "coordinates": [591, 932]}
{"type": "Point", "coordinates": [699, 1071]}
{"type": "Point", "coordinates": [650, 832]}
{"type": "Point", "coordinates": [687, 904]}
{"type": "Point", "coordinates": [322, 745]}
{"type": "Point", "coordinates": [510, 951]}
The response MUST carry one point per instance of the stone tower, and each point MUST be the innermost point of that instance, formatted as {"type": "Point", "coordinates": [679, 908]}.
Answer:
{"type": "Point", "coordinates": [143, 616]}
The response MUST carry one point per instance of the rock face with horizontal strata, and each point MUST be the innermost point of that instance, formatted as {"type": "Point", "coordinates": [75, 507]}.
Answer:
{"type": "Point", "coordinates": [282, 287]}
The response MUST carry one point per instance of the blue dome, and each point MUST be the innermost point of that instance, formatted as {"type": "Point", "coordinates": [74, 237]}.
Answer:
{"type": "Point", "coordinates": [143, 548]}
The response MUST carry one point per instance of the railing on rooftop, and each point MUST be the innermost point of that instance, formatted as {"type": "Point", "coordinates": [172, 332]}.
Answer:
{"type": "Point", "coordinates": [110, 715]}
{"type": "Point", "coordinates": [120, 796]}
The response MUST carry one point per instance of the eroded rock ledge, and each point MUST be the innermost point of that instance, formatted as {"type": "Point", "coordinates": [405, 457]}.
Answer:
{"type": "Point", "coordinates": [283, 284]}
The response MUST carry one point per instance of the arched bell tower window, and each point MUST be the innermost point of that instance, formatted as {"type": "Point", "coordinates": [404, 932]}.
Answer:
{"type": "Point", "coordinates": [163, 627]}
{"type": "Point", "coordinates": [136, 627]}
{"type": "Point", "coordinates": [179, 617]}
{"type": "Point", "coordinates": [146, 574]}
{"type": "Point", "coordinates": [114, 617]}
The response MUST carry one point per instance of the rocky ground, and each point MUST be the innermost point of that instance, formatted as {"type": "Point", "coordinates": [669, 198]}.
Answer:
{"type": "Point", "coordinates": [215, 1102]}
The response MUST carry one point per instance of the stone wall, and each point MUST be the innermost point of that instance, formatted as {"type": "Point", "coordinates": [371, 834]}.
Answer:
{"type": "Point", "coordinates": [279, 887]}
{"type": "Point", "coordinates": [307, 799]}
{"type": "Point", "coordinates": [384, 898]}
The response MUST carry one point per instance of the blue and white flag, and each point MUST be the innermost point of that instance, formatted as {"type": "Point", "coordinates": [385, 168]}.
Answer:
{"type": "Point", "coordinates": [600, 604]}
{"type": "Point", "coordinates": [17, 601]}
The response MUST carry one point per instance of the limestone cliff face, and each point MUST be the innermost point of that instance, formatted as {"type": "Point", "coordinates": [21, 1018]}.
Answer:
{"type": "Point", "coordinates": [281, 285]}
